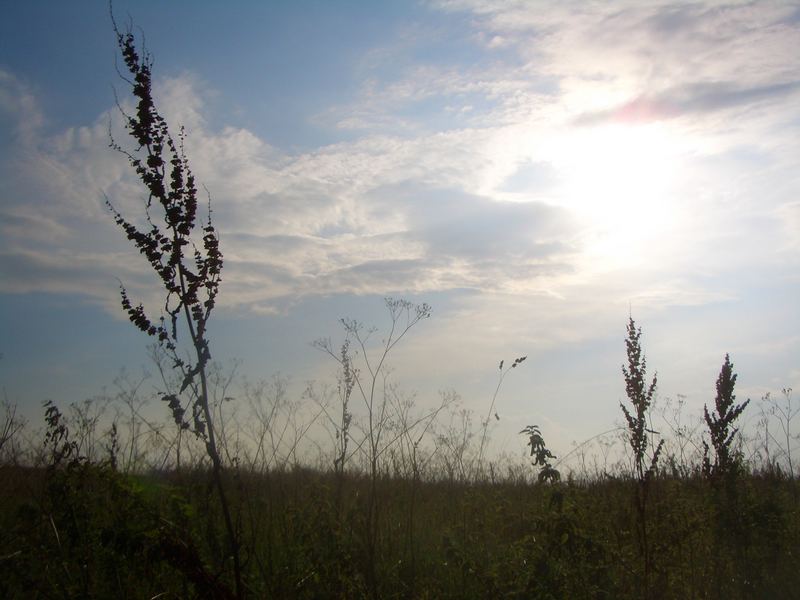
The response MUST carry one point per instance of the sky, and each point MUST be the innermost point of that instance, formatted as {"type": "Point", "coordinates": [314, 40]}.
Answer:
{"type": "Point", "coordinates": [537, 172]}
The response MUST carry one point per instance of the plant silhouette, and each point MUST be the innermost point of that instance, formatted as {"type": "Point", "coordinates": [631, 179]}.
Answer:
{"type": "Point", "coordinates": [720, 424]}
{"type": "Point", "coordinates": [541, 454]}
{"type": "Point", "coordinates": [190, 273]}
{"type": "Point", "coordinates": [640, 395]}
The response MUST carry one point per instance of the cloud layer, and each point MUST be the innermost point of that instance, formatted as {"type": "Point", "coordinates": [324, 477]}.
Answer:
{"type": "Point", "coordinates": [458, 173]}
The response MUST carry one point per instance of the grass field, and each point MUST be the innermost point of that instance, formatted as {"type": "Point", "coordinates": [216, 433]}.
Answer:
{"type": "Point", "coordinates": [76, 528]}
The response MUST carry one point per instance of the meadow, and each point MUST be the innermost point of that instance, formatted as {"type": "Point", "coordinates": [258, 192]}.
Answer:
{"type": "Point", "coordinates": [103, 502]}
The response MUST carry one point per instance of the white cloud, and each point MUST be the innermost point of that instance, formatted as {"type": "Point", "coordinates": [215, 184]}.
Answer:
{"type": "Point", "coordinates": [18, 105]}
{"type": "Point", "coordinates": [421, 203]}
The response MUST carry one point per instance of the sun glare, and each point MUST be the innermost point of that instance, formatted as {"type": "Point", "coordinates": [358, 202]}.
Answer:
{"type": "Point", "coordinates": [618, 178]}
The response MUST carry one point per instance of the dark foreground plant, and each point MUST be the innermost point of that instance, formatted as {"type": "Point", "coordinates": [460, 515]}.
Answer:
{"type": "Point", "coordinates": [541, 454]}
{"type": "Point", "coordinates": [11, 425]}
{"type": "Point", "coordinates": [372, 389]}
{"type": "Point", "coordinates": [640, 395]}
{"type": "Point", "coordinates": [488, 419]}
{"type": "Point", "coordinates": [784, 412]}
{"type": "Point", "coordinates": [189, 270]}
{"type": "Point", "coordinates": [720, 425]}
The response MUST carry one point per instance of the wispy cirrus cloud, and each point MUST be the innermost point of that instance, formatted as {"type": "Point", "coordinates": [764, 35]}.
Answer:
{"type": "Point", "coordinates": [692, 101]}
{"type": "Point", "coordinates": [617, 52]}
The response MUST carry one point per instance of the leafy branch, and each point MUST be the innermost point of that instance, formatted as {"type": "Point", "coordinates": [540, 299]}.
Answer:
{"type": "Point", "coordinates": [190, 272]}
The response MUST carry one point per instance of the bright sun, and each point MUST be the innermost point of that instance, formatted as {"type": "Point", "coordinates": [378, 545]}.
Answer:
{"type": "Point", "coordinates": [617, 178]}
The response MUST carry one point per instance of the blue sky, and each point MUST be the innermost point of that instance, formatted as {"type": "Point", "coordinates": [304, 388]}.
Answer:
{"type": "Point", "coordinates": [532, 170]}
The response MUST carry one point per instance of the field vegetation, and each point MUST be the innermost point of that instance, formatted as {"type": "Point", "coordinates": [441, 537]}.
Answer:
{"type": "Point", "coordinates": [132, 510]}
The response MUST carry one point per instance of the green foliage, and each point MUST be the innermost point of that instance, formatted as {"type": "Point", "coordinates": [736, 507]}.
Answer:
{"type": "Point", "coordinates": [83, 530]}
